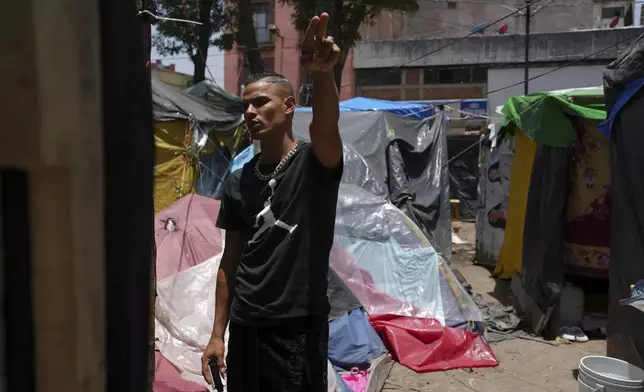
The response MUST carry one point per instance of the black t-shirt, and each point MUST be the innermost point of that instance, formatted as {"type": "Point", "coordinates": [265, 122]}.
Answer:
{"type": "Point", "coordinates": [283, 270]}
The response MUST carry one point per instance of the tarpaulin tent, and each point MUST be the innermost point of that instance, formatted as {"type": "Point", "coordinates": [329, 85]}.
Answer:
{"type": "Point", "coordinates": [388, 286]}
{"type": "Point", "coordinates": [390, 293]}
{"type": "Point", "coordinates": [556, 221]}
{"type": "Point", "coordinates": [401, 159]}
{"type": "Point", "coordinates": [463, 159]}
{"type": "Point", "coordinates": [361, 104]}
{"type": "Point", "coordinates": [194, 138]}
{"type": "Point", "coordinates": [624, 89]}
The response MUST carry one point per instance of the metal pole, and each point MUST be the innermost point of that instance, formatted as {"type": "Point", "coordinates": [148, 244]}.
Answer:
{"type": "Point", "coordinates": [527, 48]}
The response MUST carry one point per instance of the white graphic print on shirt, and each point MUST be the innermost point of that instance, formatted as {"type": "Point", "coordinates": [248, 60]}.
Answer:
{"type": "Point", "coordinates": [267, 217]}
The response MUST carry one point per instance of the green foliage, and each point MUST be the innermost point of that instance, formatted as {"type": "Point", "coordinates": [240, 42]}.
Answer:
{"type": "Point", "coordinates": [346, 16]}
{"type": "Point", "coordinates": [177, 38]}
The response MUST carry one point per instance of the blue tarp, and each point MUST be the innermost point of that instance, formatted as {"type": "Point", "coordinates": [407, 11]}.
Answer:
{"type": "Point", "coordinates": [353, 342]}
{"type": "Point", "coordinates": [606, 127]}
{"type": "Point", "coordinates": [361, 104]}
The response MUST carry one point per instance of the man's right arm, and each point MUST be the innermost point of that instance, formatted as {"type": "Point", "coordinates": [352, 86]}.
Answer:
{"type": "Point", "coordinates": [226, 275]}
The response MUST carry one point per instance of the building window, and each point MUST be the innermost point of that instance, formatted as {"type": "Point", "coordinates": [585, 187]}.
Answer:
{"type": "Point", "coordinates": [451, 5]}
{"type": "Point", "coordinates": [612, 12]}
{"type": "Point", "coordinates": [260, 21]}
{"type": "Point", "coordinates": [479, 75]}
{"type": "Point", "coordinates": [455, 75]}
{"type": "Point", "coordinates": [379, 77]}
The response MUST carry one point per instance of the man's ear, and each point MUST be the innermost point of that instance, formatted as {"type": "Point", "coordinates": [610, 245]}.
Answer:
{"type": "Point", "coordinates": [290, 104]}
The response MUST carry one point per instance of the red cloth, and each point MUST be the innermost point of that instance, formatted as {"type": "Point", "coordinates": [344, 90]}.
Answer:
{"type": "Point", "coordinates": [424, 345]}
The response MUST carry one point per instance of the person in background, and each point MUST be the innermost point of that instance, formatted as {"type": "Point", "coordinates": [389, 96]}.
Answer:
{"type": "Point", "coordinates": [279, 214]}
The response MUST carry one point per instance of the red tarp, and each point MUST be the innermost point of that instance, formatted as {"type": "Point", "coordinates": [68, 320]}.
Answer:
{"type": "Point", "coordinates": [420, 344]}
{"type": "Point", "coordinates": [424, 345]}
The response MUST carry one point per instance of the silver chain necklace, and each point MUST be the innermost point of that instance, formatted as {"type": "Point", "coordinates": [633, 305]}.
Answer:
{"type": "Point", "coordinates": [284, 161]}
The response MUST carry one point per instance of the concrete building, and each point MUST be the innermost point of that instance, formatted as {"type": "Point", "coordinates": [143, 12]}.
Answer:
{"type": "Point", "coordinates": [456, 18]}
{"type": "Point", "coordinates": [562, 30]}
{"type": "Point", "coordinates": [477, 65]}
{"type": "Point", "coordinates": [279, 45]}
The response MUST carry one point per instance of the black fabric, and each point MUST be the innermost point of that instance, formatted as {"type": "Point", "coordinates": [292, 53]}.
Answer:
{"type": "Point", "coordinates": [543, 234]}
{"type": "Point", "coordinates": [18, 337]}
{"type": "Point", "coordinates": [625, 337]}
{"type": "Point", "coordinates": [418, 183]}
{"type": "Point", "coordinates": [283, 271]}
{"type": "Point", "coordinates": [286, 358]}
{"type": "Point", "coordinates": [463, 153]}
{"type": "Point", "coordinates": [341, 298]}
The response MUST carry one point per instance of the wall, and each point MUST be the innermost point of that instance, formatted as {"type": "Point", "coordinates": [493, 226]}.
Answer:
{"type": "Point", "coordinates": [440, 19]}
{"type": "Point", "coordinates": [508, 49]}
{"type": "Point", "coordinates": [569, 77]}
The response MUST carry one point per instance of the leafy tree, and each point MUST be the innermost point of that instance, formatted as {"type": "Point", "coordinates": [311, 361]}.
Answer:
{"type": "Point", "coordinates": [194, 40]}
{"type": "Point", "coordinates": [346, 18]}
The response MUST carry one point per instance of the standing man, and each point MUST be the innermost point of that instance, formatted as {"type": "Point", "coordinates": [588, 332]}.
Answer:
{"type": "Point", "coordinates": [279, 213]}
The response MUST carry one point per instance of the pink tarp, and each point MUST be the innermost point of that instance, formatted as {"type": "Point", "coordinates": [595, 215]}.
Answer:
{"type": "Point", "coordinates": [168, 379]}
{"type": "Point", "coordinates": [185, 234]}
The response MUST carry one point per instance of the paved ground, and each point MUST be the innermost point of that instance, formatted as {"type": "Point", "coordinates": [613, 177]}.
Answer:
{"type": "Point", "coordinates": [524, 365]}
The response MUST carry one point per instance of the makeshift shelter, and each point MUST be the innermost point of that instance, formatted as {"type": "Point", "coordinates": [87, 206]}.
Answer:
{"type": "Point", "coordinates": [624, 92]}
{"type": "Point", "coordinates": [392, 294]}
{"type": "Point", "coordinates": [194, 138]}
{"type": "Point", "coordinates": [360, 104]}
{"type": "Point", "coordinates": [400, 159]}
{"type": "Point", "coordinates": [462, 150]}
{"type": "Point", "coordinates": [556, 222]}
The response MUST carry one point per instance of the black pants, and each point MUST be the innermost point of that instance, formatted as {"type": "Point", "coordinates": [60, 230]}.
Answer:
{"type": "Point", "coordinates": [290, 357]}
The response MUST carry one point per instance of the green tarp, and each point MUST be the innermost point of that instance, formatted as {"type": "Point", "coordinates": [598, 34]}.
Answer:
{"type": "Point", "coordinates": [545, 117]}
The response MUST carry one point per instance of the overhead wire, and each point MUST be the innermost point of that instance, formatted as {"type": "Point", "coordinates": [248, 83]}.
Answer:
{"type": "Point", "coordinates": [533, 2]}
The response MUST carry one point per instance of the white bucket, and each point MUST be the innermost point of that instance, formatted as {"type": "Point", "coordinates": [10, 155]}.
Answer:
{"type": "Point", "coordinates": [605, 374]}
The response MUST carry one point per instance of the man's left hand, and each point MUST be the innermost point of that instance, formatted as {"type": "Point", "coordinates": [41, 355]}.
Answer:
{"type": "Point", "coordinates": [319, 52]}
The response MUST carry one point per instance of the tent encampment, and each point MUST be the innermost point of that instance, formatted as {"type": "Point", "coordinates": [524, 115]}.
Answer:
{"type": "Point", "coordinates": [624, 90]}
{"type": "Point", "coordinates": [194, 139]}
{"type": "Point", "coordinates": [462, 150]}
{"type": "Point", "coordinates": [556, 211]}
{"type": "Point", "coordinates": [392, 293]}
{"type": "Point", "coordinates": [400, 159]}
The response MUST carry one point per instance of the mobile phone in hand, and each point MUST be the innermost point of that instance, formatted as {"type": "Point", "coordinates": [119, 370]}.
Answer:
{"type": "Point", "coordinates": [215, 376]}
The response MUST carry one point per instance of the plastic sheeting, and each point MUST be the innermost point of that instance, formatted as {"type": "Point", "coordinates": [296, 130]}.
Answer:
{"type": "Point", "coordinates": [361, 104]}
{"type": "Point", "coordinates": [399, 159]}
{"type": "Point", "coordinates": [185, 234]}
{"type": "Point", "coordinates": [174, 175]}
{"type": "Point", "coordinates": [543, 236]}
{"type": "Point", "coordinates": [353, 342]}
{"type": "Point", "coordinates": [184, 314]}
{"type": "Point", "coordinates": [625, 337]}
{"type": "Point", "coordinates": [510, 258]}
{"type": "Point", "coordinates": [170, 103]}
{"type": "Point", "coordinates": [493, 199]}
{"type": "Point", "coordinates": [374, 255]}
{"type": "Point", "coordinates": [389, 282]}
{"type": "Point", "coordinates": [463, 153]}
{"type": "Point", "coordinates": [423, 345]}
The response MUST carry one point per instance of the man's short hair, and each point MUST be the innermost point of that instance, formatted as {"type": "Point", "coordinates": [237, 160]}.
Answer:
{"type": "Point", "coordinates": [272, 78]}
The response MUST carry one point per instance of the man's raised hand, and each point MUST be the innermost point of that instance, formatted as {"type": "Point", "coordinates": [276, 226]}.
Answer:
{"type": "Point", "coordinates": [319, 52]}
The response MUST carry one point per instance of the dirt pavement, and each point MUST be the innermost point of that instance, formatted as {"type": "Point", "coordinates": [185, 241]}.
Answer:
{"type": "Point", "coordinates": [524, 365]}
